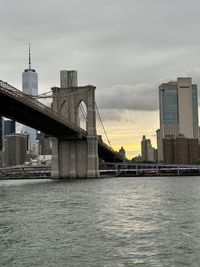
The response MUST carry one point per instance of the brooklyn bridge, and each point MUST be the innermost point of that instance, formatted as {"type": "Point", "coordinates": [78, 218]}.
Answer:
{"type": "Point", "coordinates": [76, 152]}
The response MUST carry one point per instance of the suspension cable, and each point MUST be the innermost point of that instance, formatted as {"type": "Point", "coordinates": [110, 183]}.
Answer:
{"type": "Point", "coordinates": [103, 125]}
{"type": "Point", "coordinates": [44, 95]}
{"type": "Point", "coordinates": [83, 112]}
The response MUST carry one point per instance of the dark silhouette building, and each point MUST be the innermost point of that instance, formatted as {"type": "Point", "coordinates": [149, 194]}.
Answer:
{"type": "Point", "coordinates": [9, 127]}
{"type": "Point", "coordinates": [15, 149]}
{"type": "Point", "coordinates": [44, 143]}
{"type": "Point", "coordinates": [122, 152]}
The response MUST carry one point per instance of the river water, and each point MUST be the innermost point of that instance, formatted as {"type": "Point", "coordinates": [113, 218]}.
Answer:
{"type": "Point", "coordinates": [141, 221]}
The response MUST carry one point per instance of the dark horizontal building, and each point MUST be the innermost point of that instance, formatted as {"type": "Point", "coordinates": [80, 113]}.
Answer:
{"type": "Point", "coordinates": [180, 150]}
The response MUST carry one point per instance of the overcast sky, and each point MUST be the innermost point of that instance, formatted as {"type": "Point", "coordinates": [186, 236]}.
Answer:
{"type": "Point", "coordinates": [126, 48]}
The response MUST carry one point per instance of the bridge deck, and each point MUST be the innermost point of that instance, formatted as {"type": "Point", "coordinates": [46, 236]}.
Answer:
{"type": "Point", "coordinates": [23, 108]}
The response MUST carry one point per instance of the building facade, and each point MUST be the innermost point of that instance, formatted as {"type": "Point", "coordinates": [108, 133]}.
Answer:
{"type": "Point", "coordinates": [30, 87]}
{"type": "Point", "coordinates": [68, 78]}
{"type": "Point", "coordinates": [147, 150]}
{"type": "Point", "coordinates": [44, 144]}
{"type": "Point", "coordinates": [180, 150]}
{"type": "Point", "coordinates": [15, 149]}
{"type": "Point", "coordinates": [178, 106]}
{"type": "Point", "coordinates": [9, 127]}
{"type": "Point", "coordinates": [122, 152]}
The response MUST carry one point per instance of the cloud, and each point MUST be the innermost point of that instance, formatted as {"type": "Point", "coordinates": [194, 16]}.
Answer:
{"type": "Point", "coordinates": [108, 42]}
{"type": "Point", "coordinates": [195, 74]}
{"type": "Point", "coordinates": [128, 97]}
{"type": "Point", "coordinates": [110, 115]}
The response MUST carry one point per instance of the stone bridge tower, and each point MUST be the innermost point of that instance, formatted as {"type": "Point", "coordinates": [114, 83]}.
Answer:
{"type": "Point", "coordinates": [75, 157]}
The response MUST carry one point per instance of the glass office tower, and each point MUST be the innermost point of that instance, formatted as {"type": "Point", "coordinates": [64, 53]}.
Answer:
{"type": "Point", "coordinates": [178, 106]}
{"type": "Point", "coordinates": [30, 87]}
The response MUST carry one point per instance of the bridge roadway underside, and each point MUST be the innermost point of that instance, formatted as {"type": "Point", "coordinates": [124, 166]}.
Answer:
{"type": "Point", "coordinates": [25, 114]}
{"type": "Point", "coordinates": [14, 109]}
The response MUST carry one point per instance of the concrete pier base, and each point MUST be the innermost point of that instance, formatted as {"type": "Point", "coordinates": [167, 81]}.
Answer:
{"type": "Point", "coordinates": [75, 158]}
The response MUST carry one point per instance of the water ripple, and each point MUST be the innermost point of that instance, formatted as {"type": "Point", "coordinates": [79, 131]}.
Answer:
{"type": "Point", "coordinates": [103, 222]}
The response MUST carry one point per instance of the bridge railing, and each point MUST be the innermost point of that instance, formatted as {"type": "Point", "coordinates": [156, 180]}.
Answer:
{"type": "Point", "coordinates": [25, 98]}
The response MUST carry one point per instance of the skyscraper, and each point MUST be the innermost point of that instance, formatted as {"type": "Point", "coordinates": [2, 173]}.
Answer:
{"type": "Point", "coordinates": [178, 112]}
{"type": "Point", "coordinates": [122, 152]}
{"type": "Point", "coordinates": [9, 127]}
{"type": "Point", "coordinates": [30, 87]}
{"type": "Point", "coordinates": [147, 149]}
{"type": "Point", "coordinates": [15, 149]}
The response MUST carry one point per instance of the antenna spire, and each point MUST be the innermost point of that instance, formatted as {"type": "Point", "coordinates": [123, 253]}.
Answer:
{"type": "Point", "coordinates": [29, 63]}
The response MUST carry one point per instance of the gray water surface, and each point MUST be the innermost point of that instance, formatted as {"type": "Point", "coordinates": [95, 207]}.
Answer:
{"type": "Point", "coordinates": [150, 221]}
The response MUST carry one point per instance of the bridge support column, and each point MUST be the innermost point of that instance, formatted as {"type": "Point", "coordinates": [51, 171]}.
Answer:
{"type": "Point", "coordinates": [75, 159]}
{"type": "Point", "coordinates": [92, 157]}
{"type": "Point", "coordinates": [75, 156]}
{"type": "Point", "coordinates": [55, 162]}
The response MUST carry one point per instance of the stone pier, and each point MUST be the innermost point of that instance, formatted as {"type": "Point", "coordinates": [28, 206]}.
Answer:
{"type": "Point", "coordinates": [75, 156]}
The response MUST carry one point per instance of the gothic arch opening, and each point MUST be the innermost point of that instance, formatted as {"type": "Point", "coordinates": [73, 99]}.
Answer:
{"type": "Point", "coordinates": [82, 116]}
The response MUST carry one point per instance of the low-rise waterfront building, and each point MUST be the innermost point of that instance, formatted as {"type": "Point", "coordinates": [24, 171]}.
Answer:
{"type": "Point", "coordinates": [180, 150]}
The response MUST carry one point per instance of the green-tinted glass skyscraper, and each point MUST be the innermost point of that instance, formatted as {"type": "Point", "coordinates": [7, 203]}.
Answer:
{"type": "Point", "coordinates": [178, 102]}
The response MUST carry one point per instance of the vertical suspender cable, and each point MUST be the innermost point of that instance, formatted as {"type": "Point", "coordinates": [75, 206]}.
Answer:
{"type": "Point", "coordinates": [102, 125]}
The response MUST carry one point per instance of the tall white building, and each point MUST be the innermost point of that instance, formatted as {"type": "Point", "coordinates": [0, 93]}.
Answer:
{"type": "Point", "coordinates": [147, 150]}
{"type": "Point", "coordinates": [178, 111]}
{"type": "Point", "coordinates": [30, 87]}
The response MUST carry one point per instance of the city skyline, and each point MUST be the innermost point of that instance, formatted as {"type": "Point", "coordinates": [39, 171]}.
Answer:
{"type": "Point", "coordinates": [130, 47]}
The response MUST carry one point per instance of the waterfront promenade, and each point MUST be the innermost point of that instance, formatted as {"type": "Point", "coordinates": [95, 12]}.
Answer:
{"type": "Point", "coordinates": [106, 170]}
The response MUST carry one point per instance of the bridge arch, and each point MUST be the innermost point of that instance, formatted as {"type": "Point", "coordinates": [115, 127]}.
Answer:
{"type": "Point", "coordinates": [82, 115]}
{"type": "Point", "coordinates": [75, 156]}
